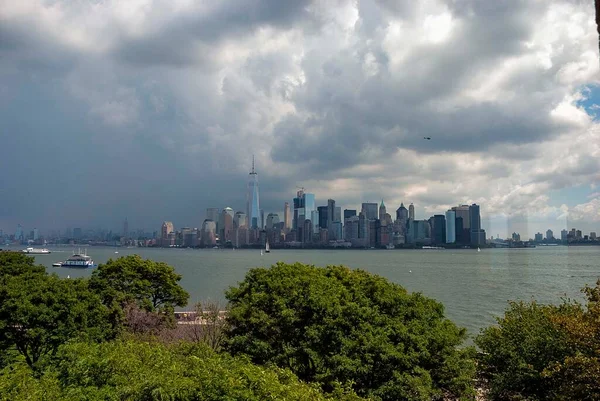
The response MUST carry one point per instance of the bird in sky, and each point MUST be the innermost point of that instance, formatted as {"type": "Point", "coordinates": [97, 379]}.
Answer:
{"type": "Point", "coordinates": [427, 137]}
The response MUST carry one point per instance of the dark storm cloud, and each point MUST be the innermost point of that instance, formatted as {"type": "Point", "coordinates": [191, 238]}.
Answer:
{"type": "Point", "coordinates": [188, 39]}
{"type": "Point", "coordinates": [90, 136]}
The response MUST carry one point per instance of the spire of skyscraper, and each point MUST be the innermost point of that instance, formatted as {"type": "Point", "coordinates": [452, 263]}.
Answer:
{"type": "Point", "coordinates": [252, 205]}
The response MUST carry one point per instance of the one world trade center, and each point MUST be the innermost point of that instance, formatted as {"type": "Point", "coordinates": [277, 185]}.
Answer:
{"type": "Point", "coordinates": [252, 202]}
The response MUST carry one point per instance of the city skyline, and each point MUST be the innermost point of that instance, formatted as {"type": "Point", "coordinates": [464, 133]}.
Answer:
{"type": "Point", "coordinates": [110, 111]}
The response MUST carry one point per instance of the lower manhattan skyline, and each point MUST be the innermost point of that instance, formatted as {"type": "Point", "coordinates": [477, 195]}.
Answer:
{"type": "Point", "coordinates": [102, 118]}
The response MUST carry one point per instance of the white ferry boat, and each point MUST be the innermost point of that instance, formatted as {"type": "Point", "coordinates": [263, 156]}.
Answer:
{"type": "Point", "coordinates": [78, 260]}
{"type": "Point", "coordinates": [36, 251]}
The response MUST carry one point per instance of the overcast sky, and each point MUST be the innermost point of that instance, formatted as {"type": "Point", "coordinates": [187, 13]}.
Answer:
{"type": "Point", "coordinates": [152, 109]}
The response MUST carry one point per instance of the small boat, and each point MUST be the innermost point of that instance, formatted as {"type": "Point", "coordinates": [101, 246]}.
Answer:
{"type": "Point", "coordinates": [36, 251]}
{"type": "Point", "coordinates": [262, 252]}
{"type": "Point", "coordinates": [432, 247]}
{"type": "Point", "coordinates": [267, 249]}
{"type": "Point", "coordinates": [57, 264]}
{"type": "Point", "coordinates": [116, 251]}
{"type": "Point", "coordinates": [478, 250]}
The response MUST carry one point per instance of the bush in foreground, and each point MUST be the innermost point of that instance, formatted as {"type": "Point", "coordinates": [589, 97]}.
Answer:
{"type": "Point", "coordinates": [544, 352]}
{"type": "Point", "coordinates": [136, 371]}
{"type": "Point", "coordinates": [339, 325]}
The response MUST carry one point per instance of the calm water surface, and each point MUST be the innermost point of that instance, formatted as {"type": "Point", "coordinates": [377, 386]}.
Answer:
{"type": "Point", "coordinates": [473, 286]}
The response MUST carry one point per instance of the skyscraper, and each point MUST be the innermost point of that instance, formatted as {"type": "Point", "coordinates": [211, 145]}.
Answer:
{"type": "Point", "coordinates": [213, 213]}
{"type": "Point", "coordinates": [304, 209]}
{"type": "Point", "coordinates": [450, 227]}
{"type": "Point", "coordinates": [287, 217]}
{"type": "Point", "coordinates": [330, 212]}
{"type": "Point", "coordinates": [411, 212]}
{"type": "Point", "coordinates": [382, 210]}
{"type": "Point", "coordinates": [349, 213]}
{"type": "Point", "coordinates": [549, 235]}
{"type": "Point", "coordinates": [370, 210]}
{"type": "Point", "coordinates": [252, 200]}
{"type": "Point", "coordinates": [438, 229]}
{"type": "Point", "coordinates": [323, 216]}
{"type": "Point", "coordinates": [477, 234]}
{"type": "Point", "coordinates": [402, 213]}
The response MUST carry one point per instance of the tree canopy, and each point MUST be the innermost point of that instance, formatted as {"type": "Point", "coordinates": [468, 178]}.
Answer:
{"type": "Point", "coordinates": [152, 285]}
{"type": "Point", "coordinates": [143, 371]}
{"type": "Point", "coordinates": [18, 264]}
{"type": "Point", "coordinates": [334, 324]}
{"type": "Point", "coordinates": [38, 313]}
{"type": "Point", "coordinates": [544, 352]}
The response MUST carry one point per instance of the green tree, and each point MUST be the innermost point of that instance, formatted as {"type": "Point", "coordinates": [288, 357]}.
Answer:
{"type": "Point", "coordinates": [143, 371]}
{"type": "Point", "coordinates": [152, 285]}
{"type": "Point", "coordinates": [18, 264]}
{"type": "Point", "coordinates": [38, 313]}
{"type": "Point", "coordinates": [334, 324]}
{"type": "Point", "coordinates": [544, 352]}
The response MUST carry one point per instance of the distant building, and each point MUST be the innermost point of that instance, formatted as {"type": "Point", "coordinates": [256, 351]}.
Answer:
{"type": "Point", "coordinates": [450, 227]}
{"type": "Point", "coordinates": [287, 217]}
{"type": "Point", "coordinates": [578, 234]}
{"type": "Point", "coordinates": [19, 233]}
{"type": "Point", "coordinates": [549, 235]}
{"type": "Point", "coordinates": [125, 228]}
{"type": "Point", "coordinates": [272, 220]}
{"type": "Point", "coordinates": [370, 210]}
{"type": "Point", "coordinates": [36, 234]}
{"type": "Point", "coordinates": [77, 234]}
{"type": "Point", "coordinates": [166, 229]}
{"type": "Point", "coordinates": [402, 213]}
{"type": "Point", "coordinates": [240, 220]}
{"type": "Point", "coordinates": [255, 220]}
{"type": "Point", "coordinates": [477, 236]}
{"type": "Point", "coordinates": [349, 213]}
{"type": "Point", "coordinates": [539, 237]}
{"type": "Point", "coordinates": [338, 214]}
{"type": "Point", "coordinates": [208, 233]}
{"type": "Point", "coordinates": [213, 213]}
{"type": "Point", "coordinates": [351, 227]}
{"type": "Point", "coordinates": [411, 211]}
{"type": "Point", "coordinates": [463, 235]}
{"type": "Point", "coordinates": [304, 209]}
{"type": "Point", "coordinates": [438, 229]}
{"type": "Point", "coordinates": [516, 237]}
{"type": "Point", "coordinates": [323, 216]}
{"type": "Point", "coordinates": [564, 235]}
{"type": "Point", "coordinates": [330, 218]}
{"type": "Point", "coordinates": [593, 235]}
{"type": "Point", "coordinates": [382, 210]}
{"type": "Point", "coordinates": [418, 232]}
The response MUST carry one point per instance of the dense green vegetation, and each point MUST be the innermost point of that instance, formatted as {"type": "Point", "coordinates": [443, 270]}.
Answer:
{"type": "Point", "coordinates": [130, 370]}
{"type": "Point", "coordinates": [544, 352]}
{"type": "Point", "coordinates": [293, 332]}
{"type": "Point", "coordinates": [334, 324]}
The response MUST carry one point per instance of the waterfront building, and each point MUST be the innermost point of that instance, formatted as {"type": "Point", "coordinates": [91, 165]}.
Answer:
{"type": "Point", "coordinates": [226, 225]}
{"type": "Point", "coordinates": [564, 235]}
{"type": "Point", "coordinates": [593, 235]}
{"type": "Point", "coordinates": [450, 227]}
{"type": "Point", "coordinates": [438, 229]}
{"type": "Point", "coordinates": [539, 237]}
{"type": "Point", "coordinates": [307, 232]}
{"type": "Point", "coordinates": [516, 237]}
{"type": "Point", "coordinates": [208, 233]}
{"type": "Point", "coordinates": [418, 232]}
{"type": "Point", "coordinates": [411, 211]}
{"type": "Point", "coordinates": [19, 233]}
{"type": "Point", "coordinates": [253, 201]}
{"type": "Point", "coordinates": [549, 235]}
{"type": "Point", "coordinates": [370, 210]}
{"type": "Point", "coordinates": [166, 229]}
{"type": "Point", "coordinates": [578, 234]}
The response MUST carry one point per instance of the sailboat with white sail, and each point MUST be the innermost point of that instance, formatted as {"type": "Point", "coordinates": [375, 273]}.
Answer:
{"type": "Point", "coordinates": [267, 249]}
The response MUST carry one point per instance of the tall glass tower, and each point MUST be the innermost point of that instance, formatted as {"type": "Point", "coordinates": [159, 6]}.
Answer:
{"type": "Point", "coordinates": [252, 200]}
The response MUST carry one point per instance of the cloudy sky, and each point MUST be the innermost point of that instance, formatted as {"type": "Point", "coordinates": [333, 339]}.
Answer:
{"type": "Point", "coordinates": [152, 109]}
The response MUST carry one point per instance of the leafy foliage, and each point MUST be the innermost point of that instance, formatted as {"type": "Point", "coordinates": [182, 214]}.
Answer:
{"type": "Point", "coordinates": [152, 285]}
{"type": "Point", "coordinates": [38, 313]}
{"type": "Point", "coordinates": [18, 264]}
{"type": "Point", "coordinates": [544, 352]}
{"type": "Point", "coordinates": [127, 370]}
{"type": "Point", "coordinates": [334, 324]}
